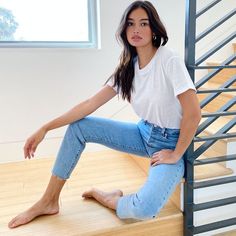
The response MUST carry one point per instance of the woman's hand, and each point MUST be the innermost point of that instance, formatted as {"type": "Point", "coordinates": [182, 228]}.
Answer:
{"type": "Point", "coordinates": [32, 143]}
{"type": "Point", "coordinates": [165, 156]}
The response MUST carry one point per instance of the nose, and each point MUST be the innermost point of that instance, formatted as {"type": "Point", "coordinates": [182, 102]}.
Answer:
{"type": "Point", "coordinates": [136, 29]}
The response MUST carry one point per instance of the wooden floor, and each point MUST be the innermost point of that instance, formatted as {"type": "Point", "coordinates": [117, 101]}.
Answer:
{"type": "Point", "coordinates": [230, 233]}
{"type": "Point", "coordinates": [22, 183]}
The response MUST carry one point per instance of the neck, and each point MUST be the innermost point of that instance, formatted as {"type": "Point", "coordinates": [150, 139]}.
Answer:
{"type": "Point", "coordinates": [145, 55]}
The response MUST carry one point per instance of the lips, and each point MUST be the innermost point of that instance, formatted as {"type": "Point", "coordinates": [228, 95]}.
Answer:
{"type": "Point", "coordinates": [136, 37]}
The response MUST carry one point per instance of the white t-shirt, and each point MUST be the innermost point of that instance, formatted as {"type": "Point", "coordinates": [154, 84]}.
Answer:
{"type": "Point", "coordinates": [156, 87]}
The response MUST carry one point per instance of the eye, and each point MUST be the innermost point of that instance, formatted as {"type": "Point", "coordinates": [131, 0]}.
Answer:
{"type": "Point", "coordinates": [144, 24]}
{"type": "Point", "coordinates": [129, 23]}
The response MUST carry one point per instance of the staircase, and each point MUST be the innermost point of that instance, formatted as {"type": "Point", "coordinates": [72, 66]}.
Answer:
{"type": "Point", "coordinates": [22, 183]}
{"type": "Point", "coordinates": [210, 204]}
{"type": "Point", "coordinates": [220, 148]}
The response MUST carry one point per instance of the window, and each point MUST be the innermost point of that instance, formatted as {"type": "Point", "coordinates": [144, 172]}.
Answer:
{"type": "Point", "coordinates": [48, 23]}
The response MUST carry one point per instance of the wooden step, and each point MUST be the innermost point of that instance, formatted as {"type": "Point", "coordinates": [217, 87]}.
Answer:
{"type": "Point", "coordinates": [22, 183]}
{"type": "Point", "coordinates": [224, 74]}
{"type": "Point", "coordinates": [234, 47]}
{"type": "Point", "coordinates": [219, 148]}
{"type": "Point", "coordinates": [201, 172]}
{"type": "Point", "coordinates": [229, 233]}
{"type": "Point", "coordinates": [217, 102]}
{"type": "Point", "coordinates": [162, 227]}
{"type": "Point", "coordinates": [211, 171]}
{"type": "Point", "coordinates": [213, 85]}
{"type": "Point", "coordinates": [219, 123]}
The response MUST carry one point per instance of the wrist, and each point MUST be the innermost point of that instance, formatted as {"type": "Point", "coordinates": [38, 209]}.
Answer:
{"type": "Point", "coordinates": [44, 128]}
{"type": "Point", "coordinates": [177, 156]}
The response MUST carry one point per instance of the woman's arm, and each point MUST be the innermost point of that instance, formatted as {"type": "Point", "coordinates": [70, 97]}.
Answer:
{"type": "Point", "coordinates": [189, 123]}
{"type": "Point", "coordinates": [188, 127]}
{"type": "Point", "coordinates": [83, 109]}
{"type": "Point", "coordinates": [78, 112]}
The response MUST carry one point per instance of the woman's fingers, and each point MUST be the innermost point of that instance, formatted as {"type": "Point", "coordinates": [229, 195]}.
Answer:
{"type": "Point", "coordinates": [163, 157]}
{"type": "Point", "coordinates": [32, 143]}
{"type": "Point", "coordinates": [29, 149]}
{"type": "Point", "coordinates": [33, 149]}
{"type": "Point", "coordinates": [155, 157]}
{"type": "Point", "coordinates": [156, 163]}
{"type": "Point", "coordinates": [26, 150]}
{"type": "Point", "coordinates": [155, 160]}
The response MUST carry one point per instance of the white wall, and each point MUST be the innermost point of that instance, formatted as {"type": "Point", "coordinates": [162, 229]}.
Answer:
{"type": "Point", "coordinates": [37, 85]}
{"type": "Point", "coordinates": [219, 34]}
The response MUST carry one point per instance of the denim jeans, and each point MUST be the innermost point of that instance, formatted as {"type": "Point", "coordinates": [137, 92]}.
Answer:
{"type": "Point", "coordinates": [141, 139]}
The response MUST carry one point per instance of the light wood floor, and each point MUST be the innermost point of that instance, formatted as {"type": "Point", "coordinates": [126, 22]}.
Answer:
{"type": "Point", "coordinates": [230, 233]}
{"type": "Point", "coordinates": [22, 183]}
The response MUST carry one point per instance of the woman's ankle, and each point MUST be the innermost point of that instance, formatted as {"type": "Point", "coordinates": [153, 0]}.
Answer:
{"type": "Point", "coordinates": [49, 201]}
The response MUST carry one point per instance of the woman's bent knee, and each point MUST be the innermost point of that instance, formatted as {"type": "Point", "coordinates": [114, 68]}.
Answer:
{"type": "Point", "coordinates": [74, 130]}
{"type": "Point", "coordinates": [131, 206]}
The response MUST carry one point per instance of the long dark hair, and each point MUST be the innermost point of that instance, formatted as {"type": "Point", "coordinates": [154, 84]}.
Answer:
{"type": "Point", "coordinates": [124, 73]}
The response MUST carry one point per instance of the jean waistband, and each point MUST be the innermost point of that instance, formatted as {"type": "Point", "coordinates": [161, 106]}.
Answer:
{"type": "Point", "coordinates": [163, 130]}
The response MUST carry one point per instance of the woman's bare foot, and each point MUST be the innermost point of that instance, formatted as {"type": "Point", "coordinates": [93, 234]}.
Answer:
{"type": "Point", "coordinates": [38, 209]}
{"type": "Point", "coordinates": [106, 199]}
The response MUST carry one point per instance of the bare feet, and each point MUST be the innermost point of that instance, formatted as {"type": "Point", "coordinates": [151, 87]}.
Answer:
{"type": "Point", "coordinates": [38, 209]}
{"type": "Point", "coordinates": [106, 199]}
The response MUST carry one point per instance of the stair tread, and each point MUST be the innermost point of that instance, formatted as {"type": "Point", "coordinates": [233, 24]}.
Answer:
{"type": "Point", "coordinates": [217, 63]}
{"type": "Point", "coordinates": [222, 75]}
{"type": "Point", "coordinates": [228, 233]}
{"type": "Point", "coordinates": [217, 124]}
{"type": "Point", "coordinates": [200, 172]}
{"type": "Point", "coordinates": [211, 171]}
{"type": "Point", "coordinates": [106, 170]}
{"type": "Point", "coordinates": [215, 85]}
{"type": "Point", "coordinates": [215, 159]}
{"type": "Point", "coordinates": [217, 102]}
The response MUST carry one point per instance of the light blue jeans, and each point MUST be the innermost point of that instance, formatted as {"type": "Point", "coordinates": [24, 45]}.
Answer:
{"type": "Point", "coordinates": [142, 139]}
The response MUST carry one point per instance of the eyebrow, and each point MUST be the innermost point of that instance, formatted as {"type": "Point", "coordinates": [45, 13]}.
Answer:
{"type": "Point", "coordinates": [144, 19]}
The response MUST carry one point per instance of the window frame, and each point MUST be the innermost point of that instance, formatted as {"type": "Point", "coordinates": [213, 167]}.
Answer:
{"type": "Point", "coordinates": [93, 20]}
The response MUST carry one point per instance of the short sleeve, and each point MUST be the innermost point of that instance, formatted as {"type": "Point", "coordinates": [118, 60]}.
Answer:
{"type": "Point", "coordinates": [110, 83]}
{"type": "Point", "coordinates": [179, 76]}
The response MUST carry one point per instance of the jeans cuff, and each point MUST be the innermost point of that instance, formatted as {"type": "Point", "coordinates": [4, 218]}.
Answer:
{"type": "Point", "coordinates": [122, 209]}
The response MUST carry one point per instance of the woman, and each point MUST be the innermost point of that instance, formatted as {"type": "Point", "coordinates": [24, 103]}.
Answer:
{"type": "Point", "coordinates": [155, 81]}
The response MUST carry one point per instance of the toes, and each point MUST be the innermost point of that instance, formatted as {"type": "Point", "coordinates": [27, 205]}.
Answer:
{"type": "Point", "coordinates": [87, 194]}
{"type": "Point", "coordinates": [17, 221]}
{"type": "Point", "coordinates": [13, 223]}
{"type": "Point", "coordinates": [117, 192]}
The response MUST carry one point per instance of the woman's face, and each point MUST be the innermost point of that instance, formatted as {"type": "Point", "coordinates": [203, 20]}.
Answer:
{"type": "Point", "coordinates": [138, 32]}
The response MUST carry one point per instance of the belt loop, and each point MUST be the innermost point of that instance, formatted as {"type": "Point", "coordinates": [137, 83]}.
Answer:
{"type": "Point", "coordinates": [163, 132]}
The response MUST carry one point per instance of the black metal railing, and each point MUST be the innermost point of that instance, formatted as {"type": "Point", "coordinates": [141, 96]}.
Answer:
{"type": "Point", "coordinates": [192, 154]}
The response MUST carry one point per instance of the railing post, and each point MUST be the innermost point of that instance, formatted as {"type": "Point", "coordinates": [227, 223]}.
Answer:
{"type": "Point", "coordinates": [190, 35]}
{"type": "Point", "coordinates": [190, 39]}
{"type": "Point", "coordinates": [188, 192]}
